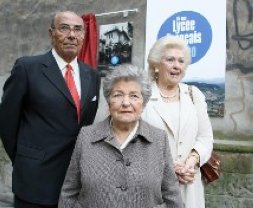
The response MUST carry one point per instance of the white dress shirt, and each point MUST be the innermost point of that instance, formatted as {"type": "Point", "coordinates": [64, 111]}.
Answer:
{"type": "Point", "coordinates": [75, 72]}
{"type": "Point", "coordinates": [130, 137]}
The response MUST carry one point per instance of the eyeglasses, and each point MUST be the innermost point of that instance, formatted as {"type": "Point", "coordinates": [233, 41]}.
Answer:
{"type": "Point", "coordinates": [66, 29]}
{"type": "Point", "coordinates": [119, 97]}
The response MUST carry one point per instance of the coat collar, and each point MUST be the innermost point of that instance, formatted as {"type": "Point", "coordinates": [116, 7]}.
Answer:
{"type": "Point", "coordinates": [185, 103]}
{"type": "Point", "coordinates": [103, 131]}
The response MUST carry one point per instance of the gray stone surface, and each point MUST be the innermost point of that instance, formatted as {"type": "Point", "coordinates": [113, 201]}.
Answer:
{"type": "Point", "coordinates": [235, 187]}
{"type": "Point", "coordinates": [24, 25]}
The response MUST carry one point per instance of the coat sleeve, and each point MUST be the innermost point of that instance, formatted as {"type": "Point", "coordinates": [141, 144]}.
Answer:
{"type": "Point", "coordinates": [204, 141]}
{"type": "Point", "coordinates": [171, 193]}
{"type": "Point", "coordinates": [72, 183]}
{"type": "Point", "coordinates": [11, 107]}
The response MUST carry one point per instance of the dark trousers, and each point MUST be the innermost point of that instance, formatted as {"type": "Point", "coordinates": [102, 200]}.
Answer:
{"type": "Point", "coordinates": [19, 203]}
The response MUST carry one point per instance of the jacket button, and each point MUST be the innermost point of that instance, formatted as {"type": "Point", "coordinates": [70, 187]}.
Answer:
{"type": "Point", "coordinates": [123, 188]}
{"type": "Point", "coordinates": [128, 162]}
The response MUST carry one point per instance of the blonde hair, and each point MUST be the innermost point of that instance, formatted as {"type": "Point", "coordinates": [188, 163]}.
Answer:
{"type": "Point", "coordinates": [159, 47]}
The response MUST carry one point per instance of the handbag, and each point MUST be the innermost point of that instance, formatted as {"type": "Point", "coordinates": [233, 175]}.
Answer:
{"type": "Point", "coordinates": [210, 171]}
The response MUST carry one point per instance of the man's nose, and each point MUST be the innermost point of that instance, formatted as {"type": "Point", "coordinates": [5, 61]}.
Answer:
{"type": "Point", "coordinates": [72, 33]}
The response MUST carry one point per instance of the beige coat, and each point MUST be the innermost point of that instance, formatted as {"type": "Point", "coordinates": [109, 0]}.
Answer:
{"type": "Point", "coordinates": [195, 131]}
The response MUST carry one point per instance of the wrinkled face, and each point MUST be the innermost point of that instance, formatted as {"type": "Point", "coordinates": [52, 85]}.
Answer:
{"type": "Point", "coordinates": [172, 67]}
{"type": "Point", "coordinates": [67, 35]}
{"type": "Point", "coordinates": [126, 102]}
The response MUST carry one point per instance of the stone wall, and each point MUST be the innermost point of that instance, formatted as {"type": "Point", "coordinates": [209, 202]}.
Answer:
{"type": "Point", "coordinates": [24, 25]}
{"type": "Point", "coordinates": [235, 187]}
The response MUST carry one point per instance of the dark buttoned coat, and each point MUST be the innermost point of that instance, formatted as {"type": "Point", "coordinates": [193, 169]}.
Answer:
{"type": "Point", "coordinates": [39, 127]}
{"type": "Point", "coordinates": [102, 176]}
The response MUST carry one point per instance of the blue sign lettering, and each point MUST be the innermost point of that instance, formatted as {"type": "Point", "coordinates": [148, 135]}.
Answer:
{"type": "Point", "coordinates": [191, 27]}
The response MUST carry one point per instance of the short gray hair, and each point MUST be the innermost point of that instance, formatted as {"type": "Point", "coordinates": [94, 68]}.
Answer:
{"type": "Point", "coordinates": [159, 47]}
{"type": "Point", "coordinates": [58, 13]}
{"type": "Point", "coordinates": [127, 72]}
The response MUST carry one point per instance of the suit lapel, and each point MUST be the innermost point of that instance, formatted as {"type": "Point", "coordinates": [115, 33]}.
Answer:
{"type": "Point", "coordinates": [159, 106]}
{"type": "Point", "coordinates": [185, 108]}
{"type": "Point", "coordinates": [160, 111]}
{"type": "Point", "coordinates": [85, 80]}
{"type": "Point", "coordinates": [54, 75]}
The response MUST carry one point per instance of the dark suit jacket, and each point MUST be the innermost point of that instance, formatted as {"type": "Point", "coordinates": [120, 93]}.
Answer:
{"type": "Point", "coordinates": [38, 124]}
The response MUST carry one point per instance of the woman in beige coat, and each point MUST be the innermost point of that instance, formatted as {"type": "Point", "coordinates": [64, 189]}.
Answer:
{"type": "Point", "coordinates": [185, 119]}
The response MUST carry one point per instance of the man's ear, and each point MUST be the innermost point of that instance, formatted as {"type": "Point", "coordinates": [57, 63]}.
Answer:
{"type": "Point", "coordinates": [50, 32]}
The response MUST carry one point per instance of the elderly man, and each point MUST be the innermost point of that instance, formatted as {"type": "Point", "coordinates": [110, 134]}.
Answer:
{"type": "Point", "coordinates": [46, 100]}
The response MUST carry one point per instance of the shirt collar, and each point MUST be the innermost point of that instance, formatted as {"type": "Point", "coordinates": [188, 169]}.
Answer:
{"type": "Point", "coordinates": [103, 131]}
{"type": "Point", "coordinates": [62, 64]}
{"type": "Point", "coordinates": [130, 136]}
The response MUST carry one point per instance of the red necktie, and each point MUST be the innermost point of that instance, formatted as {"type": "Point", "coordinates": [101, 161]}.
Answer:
{"type": "Point", "coordinates": [72, 88]}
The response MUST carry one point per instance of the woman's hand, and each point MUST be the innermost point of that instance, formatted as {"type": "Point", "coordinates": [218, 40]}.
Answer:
{"type": "Point", "coordinates": [185, 171]}
{"type": "Point", "coordinates": [191, 162]}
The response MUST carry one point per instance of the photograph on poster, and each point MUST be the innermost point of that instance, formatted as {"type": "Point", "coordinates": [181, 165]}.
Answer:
{"type": "Point", "coordinates": [115, 45]}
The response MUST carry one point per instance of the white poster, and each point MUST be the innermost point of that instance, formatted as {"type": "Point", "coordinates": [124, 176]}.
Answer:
{"type": "Point", "coordinates": [202, 24]}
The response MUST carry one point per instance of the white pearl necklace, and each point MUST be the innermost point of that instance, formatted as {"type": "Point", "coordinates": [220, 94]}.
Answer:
{"type": "Point", "coordinates": [167, 98]}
